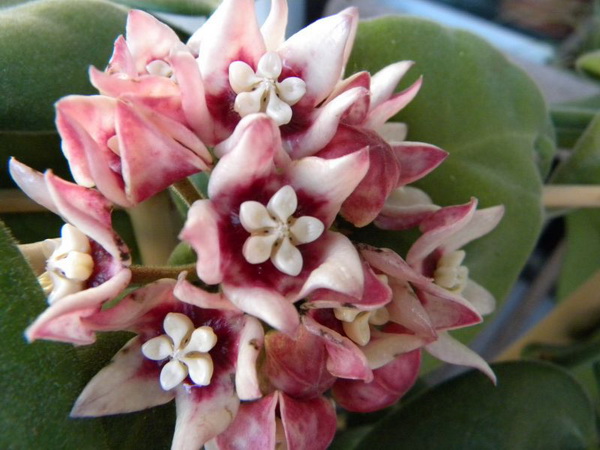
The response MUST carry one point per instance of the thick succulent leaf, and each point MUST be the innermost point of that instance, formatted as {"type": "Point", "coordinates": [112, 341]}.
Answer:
{"type": "Point", "coordinates": [492, 120]}
{"type": "Point", "coordinates": [187, 7]}
{"type": "Point", "coordinates": [572, 118]}
{"type": "Point", "coordinates": [39, 381]}
{"type": "Point", "coordinates": [583, 226]}
{"type": "Point", "coordinates": [535, 405]}
{"type": "Point", "coordinates": [589, 63]}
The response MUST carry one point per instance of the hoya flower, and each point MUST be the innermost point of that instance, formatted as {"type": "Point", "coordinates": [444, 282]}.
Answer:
{"type": "Point", "coordinates": [246, 69]}
{"type": "Point", "coordinates": [181, 351]}
{"type": "Point", "coordinates": [128, 148]}
{"type": "Point", "coordinates": [82, 269]}
{"type": "Point", "coordinates": [264, 233]}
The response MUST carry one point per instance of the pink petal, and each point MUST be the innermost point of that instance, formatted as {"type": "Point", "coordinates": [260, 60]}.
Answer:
{"type": "Point", "coordinates": [286, 364]}
{"type": "Point", "coordinates": [317, 54]}
{"type": "Point", "coordinates": [307, 423]}
{"type": "Point", "coordinates": [345, 359]}
{"type": "Point", "coordinates": [265, 304]}
{"type": "Point", "coordinates": [339, 269]}
{"type": "Point", "coordinates": [383, 348]}
{"type": "Point", "coordinates": [406, 207]}
{"type": "Point", "coordinates": [389, 384]}
{"type": "Point", "coordinates": [323, 124]}
{"type": "Point", "coordinates": [203, 412]}
{"type": "Point", "coordinates": [250, 159]}
{"type": "Point", "coordinates": [201, 231]}
{"type": "Point", "coordinates": [188, 293]}
{"type": "Point", "coordinates": [33, 183]}
{"type": "Point", "coordinates": [121, 60]}
{"type": "Point", "coordinates": [416, 160]}
{"type": "Point", "coordinates": [128, 383]}
{"type": "Point", "coordinates": [62, 321]}
{"type": "Point", "coordinates": [147, 85]}
{"type": "Point", "coordinates": [385, 81]}
{"type": "Point", "coordinates": [482, 222]}
{"type": "Point", "coordinates": [452, 351]}
{"type": "Point", "coordinates": [381, 113]}
{"type": "Point", "coordinates": [437, 228]}
{"type": "Point", "coordinates": [329, 181]}
{"type": "Point", "coordinates": [252, 428]}
{"type": "Point", "coordinates": [481, 299]}
{"type": "Point", "coordinates": [407, 310]}
{"type": "Point", "coordinates": [356, 114]}
{"type": "Point", "coordinates": [249, 348]}
{"type": "Point", "coordinates": [273, 30]}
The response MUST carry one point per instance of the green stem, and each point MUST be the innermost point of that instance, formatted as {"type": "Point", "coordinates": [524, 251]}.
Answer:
{"type": "Point", "coordinates": [186, 191]}
{"type": "Point", "coordinates": [148, 274]}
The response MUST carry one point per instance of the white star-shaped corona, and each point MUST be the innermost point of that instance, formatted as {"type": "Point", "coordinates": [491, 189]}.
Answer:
{"type": "Point", "coordinates": [261, 92]}
{"type": "Point", "coordinates": [187, 349]}
{"type": "Point", "coordinates": [275, 233]}
{"type": "Point", "coordinates": [450, 273]}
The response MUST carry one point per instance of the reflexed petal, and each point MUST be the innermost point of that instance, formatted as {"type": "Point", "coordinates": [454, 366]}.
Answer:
{"type": "Point", "coordinates": [255, 216]}
{"type": "Point", "coordinates": [273, 30]}
{"type": "Point", "coordinates": [308, 424]}
{"type": "Point", "coordinates": [481, 299]}
{"type": "Point", "coordinates": [202, 340]}
{"type": "Point", "coordinates": [241, 77]}
{"type": "Point", "coordinates": [482, 222]}
{"type": "Point", "coordinates": [385, 81]}
{"type": "Point", "coordinates": [124, 385]}
{"type": "Point", "coordinates": [250, 346]}
{"type": "Point", "coordinates": [385, 347]}
{"type": "Point", "coordinates": [172, 374]}
{"type": "Point", "coordinates": [380, 114]}
{"type": "Point", "coordinates": [158, 348]}
{"type": "Point", "coordinates": [287, 258]}
{"type": "Point", "coordinates": [200, 368]}
{"type": "Point", "coordinates": [416, 160]}
{"type": "Point", "coordinates": [307, 229]}
{"type": "Point", "coordinates": [452, 351]}
{"type": "Point", "coordinates": [406, 310]}
{"type": "Point", "coordinates": [258, 249]}
{"type": "Point", "coordinates": [188, 293]}
{"type": "Point", "coordinates": [283, 203]}
{"type": "Point", "coordinates": [178, 327]}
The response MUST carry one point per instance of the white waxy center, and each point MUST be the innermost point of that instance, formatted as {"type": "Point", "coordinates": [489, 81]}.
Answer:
{"type": "Point", "coordinates": [275, 233]}
{"type": "Point", "coordinates": [357, 324]}
{"type": "Point", "coordinates": [159, 68]}
{"type": "Point", "coordinates": [187, 349]}
{"type": "Point", "coordinates": [450, 273]}
{"type": "Point", "coordinates": [69, 265]}
{"type": "Point", "coordinates": [261, 92]}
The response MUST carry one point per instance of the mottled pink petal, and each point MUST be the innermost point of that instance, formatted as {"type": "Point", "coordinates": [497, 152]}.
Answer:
{"type": "Point", "coordinates": [389, 384]}
{"type": "Point", "coordinates": [329, 180]}
{"type": "Point", "coordinates": [452, 351]}
{"type": "Point", "coordinates": [345, 359]}
{"type": "Point", "coordinates": [416, 160]}
{"type": "Point", "coordinates": [323, 124]}
{"type": "Point", "coordinates": [62, 320]}
{"type": "Point", "coordinates": [203, 412]}
{"type": "Point", "coordinates": [188, 293]}
{"type": "Point", "coordinates": [201, 231]}
{"type": "Point", "coordinates": [380, 114]}
{"type": "Point", "coordinates": [482, 222]}
{"type": "Point", "coordinates": [286, 364]}
{"type": "Point", "coordinates": [273, 30]}
{"type": "Point", "coordinates": [265, 304]}
{"type": "Point", "coordinates": [252, 428]}
{"type": "Point", "coordinates": [121, 60]}
{"type": "Point", "coordinates": [249, 348]}
{"type": "Point", "coordinates": [384, 82]}
{"type": "Point", "coordinates": [340, 268]}
{"type": "Point", "coordinates": [128, 383]}
{"type": "Point", "coordinates": [324, 41]}
{"type": "Point", "coordinates": [356, 113]}
{"type": "Point", "coordinates": [148, 85]}
{"type": "Point", "coordinates": [307, 423]}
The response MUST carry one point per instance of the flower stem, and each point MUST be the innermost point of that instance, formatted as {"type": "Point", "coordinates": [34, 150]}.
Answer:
{"type": "Point", "coordinates": [148, 274]}
{"type": "Point", "coordinates": [186, 191]}
{"type": "Point", "coordinates": [571, 196]}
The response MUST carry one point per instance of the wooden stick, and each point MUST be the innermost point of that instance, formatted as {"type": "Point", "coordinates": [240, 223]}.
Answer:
{"type": "Point", "coordinates": [571, 196]}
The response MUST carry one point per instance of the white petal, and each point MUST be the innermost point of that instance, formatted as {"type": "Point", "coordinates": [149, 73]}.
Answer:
{"type": "Point", "coordinates": [73, 239]}
{"type": "Point", "coordinates": [74, 266]}
{"type": "Point", "coordinates": [269, 66]}
{"type": "Point", "coordinates": [158, 348]}
{"type": "Point", "coordinates": [257, 249]}
{"type": "Point", "coordinates": [241, 77]}
{"type": "Point", "coordinates": [278, 110]}
{"type": "Point", "coordinates": [291, 90]}
{"type": "Point", "coordinates": [178, 327]}
{"type": "Point", "coordinates": [359, 330]}
{"type": "Point", "coordinates": [307, 229]}
{"type": "Point", "coordinates": [200, 368]}
{"type": "Point", "coordinates": [254, 216]}
{"type": "Point", "coordinates": [283, 203]}
{"type": "Point", "coordinates": [249, 102]}
{"type": "Point", "coordinates": [203, 339]}
{"type": "Point", "coordinates": [287, 258]}
{"type": "Point", "coordinates": [172, 374]}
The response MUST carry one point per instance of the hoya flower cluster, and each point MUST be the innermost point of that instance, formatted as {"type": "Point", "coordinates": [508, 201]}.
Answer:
{"type": "Point", "coordinates": [290, 316]}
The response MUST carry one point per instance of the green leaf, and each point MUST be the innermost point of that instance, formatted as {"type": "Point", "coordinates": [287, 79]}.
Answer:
{"type": "Point", "coordinates": [492, 119]}
{"type": "Point", "coordinates": [589, 63]}
{"type": "Point", "coordinates": [46, 48]}
{"type": "Point", "coordinates": [535, 405]}
{"type": "Point", "coordinates": [187, 7]}
{"type": "Point", "coordinates": [40, 381]}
